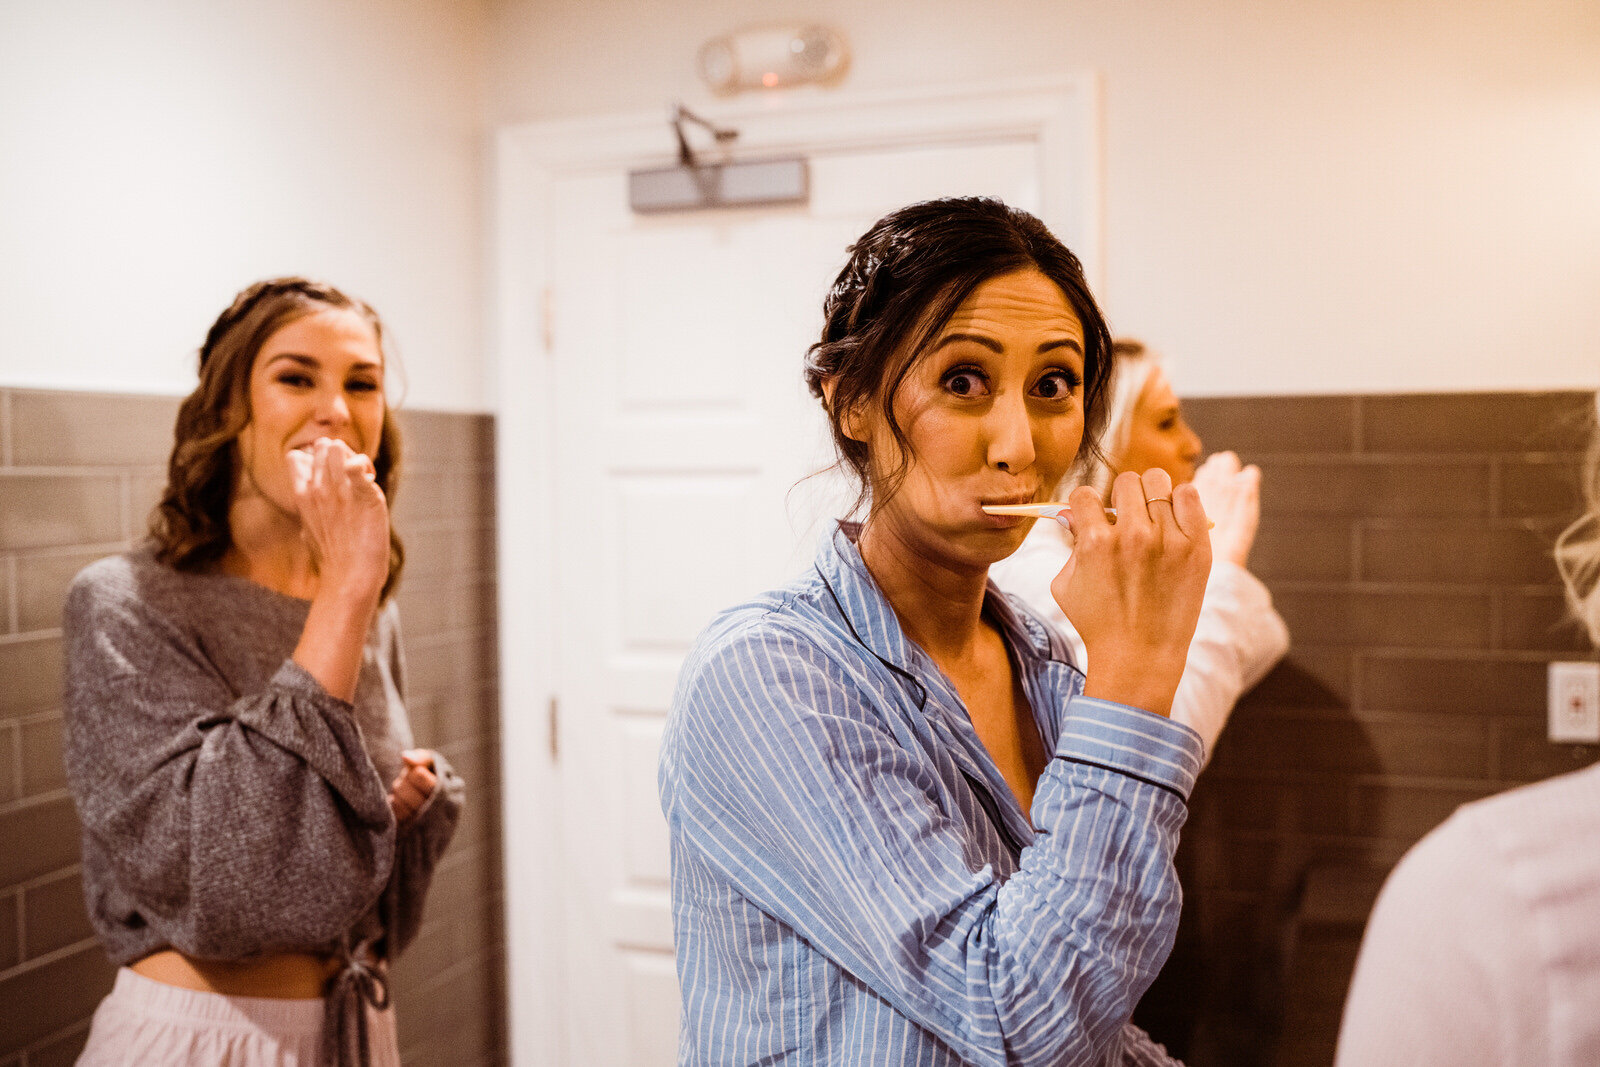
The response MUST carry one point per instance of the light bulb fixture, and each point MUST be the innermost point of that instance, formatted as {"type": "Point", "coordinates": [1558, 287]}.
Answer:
{"type": "Point", "coordinates": [773, 57]}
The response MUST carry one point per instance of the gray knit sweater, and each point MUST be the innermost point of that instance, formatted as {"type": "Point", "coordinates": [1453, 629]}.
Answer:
{"type": "Point", "coordinates": [231, 806]}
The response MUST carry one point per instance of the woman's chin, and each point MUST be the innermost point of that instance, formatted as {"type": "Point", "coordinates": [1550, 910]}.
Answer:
{"type": "Point", "coordinates": [996, 543]}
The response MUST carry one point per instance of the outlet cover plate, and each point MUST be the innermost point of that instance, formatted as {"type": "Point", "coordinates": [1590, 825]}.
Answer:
{"type": "Point", "coordinates": [1575, 702]}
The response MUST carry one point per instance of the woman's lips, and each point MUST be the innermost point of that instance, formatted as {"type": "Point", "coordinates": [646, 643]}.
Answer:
{"type": "Point", "coordinates": [308, 446]}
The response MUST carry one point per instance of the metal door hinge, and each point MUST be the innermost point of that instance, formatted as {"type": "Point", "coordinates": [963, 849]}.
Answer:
{"type": "Point", "coordinates": [555, 730]}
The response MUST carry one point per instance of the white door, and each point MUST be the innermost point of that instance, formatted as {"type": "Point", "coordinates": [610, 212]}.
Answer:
{"type": "Point", "coordinates": [676, 471]}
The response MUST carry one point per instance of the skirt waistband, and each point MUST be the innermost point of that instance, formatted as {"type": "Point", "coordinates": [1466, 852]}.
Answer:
{"type": "Point", "coordinates": [216, 1009]}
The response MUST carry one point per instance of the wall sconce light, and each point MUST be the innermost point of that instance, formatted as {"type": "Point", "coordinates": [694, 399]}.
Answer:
{"type": "Point", "coordinates": [773, 57]}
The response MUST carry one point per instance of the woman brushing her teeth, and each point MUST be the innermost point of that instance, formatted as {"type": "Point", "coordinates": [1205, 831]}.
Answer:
{"type": "Point", "coordinates": [905, 828]}
{"type": "Point", "coordinates": [259, 832]}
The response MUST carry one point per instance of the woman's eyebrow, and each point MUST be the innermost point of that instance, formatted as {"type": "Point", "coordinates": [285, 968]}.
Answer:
{"type": "Point", "coordinates": [995, 346]}
{"type": "Point", "coordinates": [295, 357]}
{"type": "Point", "coordinates": [987, 342]}
{"type": "Point", "coordinates": [314, 364]}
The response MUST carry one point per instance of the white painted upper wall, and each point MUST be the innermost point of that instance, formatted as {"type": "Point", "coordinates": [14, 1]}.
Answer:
{"type": "Point", "coordinates": [1318, 196]}
{"type": "Point", "coordinates": [156, 157]}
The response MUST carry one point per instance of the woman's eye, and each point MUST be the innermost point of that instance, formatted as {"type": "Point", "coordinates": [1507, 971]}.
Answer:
{"type": "Point", "coordinates": [1057, 385]}
{"type": "Point", "coordinates": [1167, 425]}
{"type": "Point", "coordinates": [299, 381]}
{"type": "Point", "coordinates": [361, 386]}
{"type": "Point", "coordinates": [965, 383]}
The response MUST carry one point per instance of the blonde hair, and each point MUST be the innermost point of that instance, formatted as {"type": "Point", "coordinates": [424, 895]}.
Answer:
{"type": "Point", "coordinates": [1578, 548]}
{"type": "Point", "coordinates": [1132, 363]}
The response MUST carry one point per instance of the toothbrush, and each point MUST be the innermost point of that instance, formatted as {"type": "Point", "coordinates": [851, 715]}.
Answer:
{"type": "Point", "coordinates": [1046, 510]}
{"type": "Point", "coordinates": [1050, 510]}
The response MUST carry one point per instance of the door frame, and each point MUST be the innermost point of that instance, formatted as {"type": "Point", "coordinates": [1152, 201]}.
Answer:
{"type": "Point", "coordinates": [1061, 113]}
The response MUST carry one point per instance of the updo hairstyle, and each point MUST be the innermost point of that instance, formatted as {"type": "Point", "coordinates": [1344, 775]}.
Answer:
{"type": "Point", "coordinates": [904, 279]}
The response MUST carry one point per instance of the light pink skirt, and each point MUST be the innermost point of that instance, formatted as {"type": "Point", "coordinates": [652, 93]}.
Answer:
{"type": "Point", "coordinates": [146, 1022]}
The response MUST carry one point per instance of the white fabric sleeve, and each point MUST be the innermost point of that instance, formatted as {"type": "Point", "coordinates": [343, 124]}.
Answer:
{"type": "Point", "coordinates": [1446, 953]}
{"type": "Point", "coordinates": [1239, 637]}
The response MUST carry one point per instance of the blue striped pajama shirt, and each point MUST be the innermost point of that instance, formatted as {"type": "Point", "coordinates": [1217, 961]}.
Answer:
{"type": "Point", "coordinates": [853, 882]}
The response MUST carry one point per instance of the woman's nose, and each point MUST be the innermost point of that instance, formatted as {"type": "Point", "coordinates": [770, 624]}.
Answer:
{"type": "Point", "coordinates": [333, 409]}
{"type": "Point", "coordinates": [1193, 445]}
{"type": "Point", "coordinates": [1010, 434]}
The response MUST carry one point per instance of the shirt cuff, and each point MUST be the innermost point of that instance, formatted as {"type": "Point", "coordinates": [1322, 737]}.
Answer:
{"type": "Point", "coordinates": [433, 794]}
{"type": "Point", "coordinates": [297, 681]}
{"type": "Point", "coordinates": [1133, 742]}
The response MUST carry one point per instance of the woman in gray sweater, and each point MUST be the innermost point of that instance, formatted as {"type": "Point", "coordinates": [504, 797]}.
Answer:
{"type": "Point", "coordinates": [258, 832]}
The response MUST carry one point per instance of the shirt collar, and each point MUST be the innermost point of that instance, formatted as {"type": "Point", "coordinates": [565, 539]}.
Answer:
{"type": "Point", "coordinates": [865, 608]}
{"type": "Point", "coordinates": [873, 619]}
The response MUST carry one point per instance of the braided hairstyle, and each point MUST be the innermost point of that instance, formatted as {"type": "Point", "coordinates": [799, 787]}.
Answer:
{"type": "Point", "coordinates": [190, 525]}
{"type": "Point", "coordinates": [905, 278]}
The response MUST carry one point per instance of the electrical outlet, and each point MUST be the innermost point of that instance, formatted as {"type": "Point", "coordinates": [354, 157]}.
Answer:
{"type": "Point", "coordinates": [1575, 702]}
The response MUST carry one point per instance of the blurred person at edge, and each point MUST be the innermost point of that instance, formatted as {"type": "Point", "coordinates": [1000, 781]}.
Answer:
{"type": "Point", "coordinates": [259, 834]}
{"type": "Point", "coordinates": [1240, 635]}
{"type": "Point", "coordinates": [1484, 946]}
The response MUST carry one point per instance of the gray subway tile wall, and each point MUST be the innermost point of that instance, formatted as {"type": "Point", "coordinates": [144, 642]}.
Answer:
{"type": "Point", "coordinates": [450, 988]}
{"type": "Point", "coordinates": [79, 473]}
{"type": "Point", "coordinates": [1407, 541]}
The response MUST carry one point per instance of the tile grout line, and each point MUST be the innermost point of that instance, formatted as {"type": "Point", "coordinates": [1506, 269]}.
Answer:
{"type": "Point", "coordinates": [1494, 748]}
{"type": "Point", "coordinates": [22, 922]}
{"type": "Point", "coordinates": [13, 612]}
{"type": "Point", "coordinates": [5, 428]}
{"type": "Point", "coordinates": [53, 956]}
{"type": "Point", "coordinates": [1358, 670]}
{"type": "Point", "coordinates": [1497, 618]}
{"type": "Point", "coordinates": [1357, 538]}
{"type": "Point", "coordinates": [22, 917]}
{"type": "Point", "coordinates": [46, 878]}
{"type": "Point", "coordinates": [70, 1030]}
{"type": "Point", "coordinates": [38, 800]}
{"type": "Point", "coordinates": [16, 764]}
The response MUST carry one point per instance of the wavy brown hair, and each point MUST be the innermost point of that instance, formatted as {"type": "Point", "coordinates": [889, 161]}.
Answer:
{"type": "Point", "coordinates": [190, 525]}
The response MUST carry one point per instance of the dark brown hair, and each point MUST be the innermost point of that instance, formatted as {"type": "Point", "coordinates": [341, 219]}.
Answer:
{"type": "Point", "coordinates": [905, 278]}
{"type": "Point", "coordinates": [190, 525]}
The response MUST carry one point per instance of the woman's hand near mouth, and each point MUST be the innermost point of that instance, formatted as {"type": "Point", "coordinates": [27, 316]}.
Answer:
{"type": "Point", "coordinates": [1133, 590]}
{"type": "Point", "coordinates": [344, 519]}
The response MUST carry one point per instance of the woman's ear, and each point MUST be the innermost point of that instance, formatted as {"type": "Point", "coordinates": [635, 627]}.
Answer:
{"type": "Point", "coordinates": [851, 424]}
